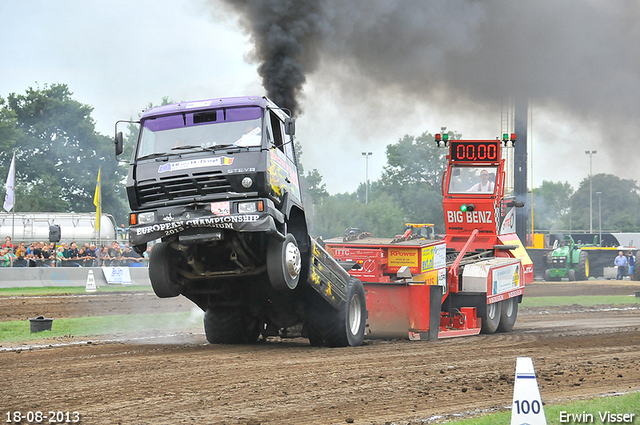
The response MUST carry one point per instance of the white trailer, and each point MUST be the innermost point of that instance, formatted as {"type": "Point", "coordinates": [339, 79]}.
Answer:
{"type": "Point", "coordinates": [79, 227]}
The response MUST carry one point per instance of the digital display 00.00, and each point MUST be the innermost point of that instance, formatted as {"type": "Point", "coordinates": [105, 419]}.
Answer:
{"type": "Point", "coordinates": [480, 151]}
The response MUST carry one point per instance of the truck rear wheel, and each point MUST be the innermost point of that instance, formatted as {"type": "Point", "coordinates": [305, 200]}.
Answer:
{"type": "Point", "coordinates": [162, 271]}
{"type": "Point", "coordinates": [491, 319]}
{"type": "Point", "coordinates": [229, 326]}
{"type": "Point", "coordinates": [284, 263]}
{"type": "Point", "coordinates": [508, 314]}
{"type": "Point", "coordinates": [339, 328]}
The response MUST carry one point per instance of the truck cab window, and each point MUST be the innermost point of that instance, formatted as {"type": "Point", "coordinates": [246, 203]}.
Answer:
{"type": "Point", "coordinates": [276, 127]}
{"type": "Point", "coordinates": [476, 179]}
{"type": "Point", "coordinates": [288, 148]}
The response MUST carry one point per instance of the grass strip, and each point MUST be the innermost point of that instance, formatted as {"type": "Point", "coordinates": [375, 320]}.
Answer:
{"type": "Point", "coordinates": [583, 300]}
{"type": "Point", "coordinates": [558, 413]}
{"type": "Point", "coordinates": [19, 330]}
{"type": "Point", "coordinates": [62, 290]}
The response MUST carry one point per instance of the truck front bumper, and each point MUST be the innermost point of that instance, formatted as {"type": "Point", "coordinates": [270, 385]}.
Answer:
{"type": "Point", "coordinates": [174, 221]}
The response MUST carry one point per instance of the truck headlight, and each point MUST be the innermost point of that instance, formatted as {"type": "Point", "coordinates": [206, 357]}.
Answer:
{"type": "Point", "coordinates": [250, 207]}
{"type": "Point", "coordinates": [146, 217]}
{"type": "Point", "coordinates": [247, 182]}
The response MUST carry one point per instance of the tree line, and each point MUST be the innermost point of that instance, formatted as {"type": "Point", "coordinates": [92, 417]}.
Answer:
{"type": "Point", "coordinates": [58, 153]}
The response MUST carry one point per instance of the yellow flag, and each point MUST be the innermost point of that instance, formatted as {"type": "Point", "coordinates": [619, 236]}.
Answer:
{"type": "Point", "coordinates": [97, 201]}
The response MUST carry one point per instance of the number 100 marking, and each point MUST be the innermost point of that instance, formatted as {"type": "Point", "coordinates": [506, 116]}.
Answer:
{"type": "Point", "coordinates": [524, 407]}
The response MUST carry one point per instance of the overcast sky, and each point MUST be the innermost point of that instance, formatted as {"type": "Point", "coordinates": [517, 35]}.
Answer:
{"type": "Point", "coordinates": [383, 69]}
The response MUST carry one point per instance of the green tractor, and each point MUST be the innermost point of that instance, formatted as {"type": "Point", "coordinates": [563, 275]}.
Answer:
{"type": "Point", "coordinates": [567, 260]}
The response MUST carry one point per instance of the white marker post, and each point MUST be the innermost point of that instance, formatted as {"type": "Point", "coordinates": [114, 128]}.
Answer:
{"type": "Point", "coordinates": [527, 404]}
{"type": "Point", "coordinates": [91, 283]}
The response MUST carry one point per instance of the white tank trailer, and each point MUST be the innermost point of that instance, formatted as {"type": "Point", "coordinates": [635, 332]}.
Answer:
{"type": "Point", "coordinates": [79, 227]}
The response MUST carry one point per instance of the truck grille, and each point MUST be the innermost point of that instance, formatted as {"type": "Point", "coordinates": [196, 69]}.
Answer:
{"type": "Point", "coordinates": [181, 187]}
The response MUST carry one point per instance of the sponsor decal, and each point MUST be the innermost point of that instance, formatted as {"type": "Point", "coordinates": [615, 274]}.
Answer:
{"type": "Point", "coordinates": [442, 279]}
{"type": "Point", "coordinates": [500, 297]}
{"type": "Point", "coordinates": [472, 217]}
{"type": "Point", "coordinates": [433, 257]}
{"type": "Point", "coordinates": [200, 104]}
{"type": "Point", "coordinates": [505, 278]}
{"type": "Point", "coordinates": [431, 278]}
{"type": "Point", "coordinates": [226, 222]}
{"type": "Point", "coordinates": [282, 174]}
{"type": "Point", "coordinates": [509, 222]}
{"type": "Point", "coordinates": [195, 163]}
{"type": "Point", "coordinates": [427, 259]}
{"type": "Point", "coordinates": [399, 257]}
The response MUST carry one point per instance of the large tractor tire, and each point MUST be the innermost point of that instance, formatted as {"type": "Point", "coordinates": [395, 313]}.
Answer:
{"type": "Point", "coordinates": [162, 271]}
{"type": "Point", "coordinates": [582, 272]}
{"type": "Point", "coordinates": [508, 315]}
{"type": "Point", "coordinates": [491, 319]}
{"type": "Point", "coordinates": [636, 272]}
{"type": "Point", "coordinates": [572, 275]}
{"type": "Point", "coordinates": [284, 263]}
{"type": "Point", "coordinates": [229, 326]}
{"type": "Point", "coordinates": [329, 327]}
{"type": "Point", "coordinates": [548, 278]}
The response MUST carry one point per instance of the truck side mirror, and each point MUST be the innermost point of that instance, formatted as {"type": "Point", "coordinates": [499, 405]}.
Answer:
{"type": "Point", "coordinates": [290, 126]}
{"type": "Point", "coordinates": [118, 143]}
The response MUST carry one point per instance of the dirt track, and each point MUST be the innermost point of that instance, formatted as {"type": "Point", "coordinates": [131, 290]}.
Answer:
{"type": "Point", "coordinates": [578, 352]}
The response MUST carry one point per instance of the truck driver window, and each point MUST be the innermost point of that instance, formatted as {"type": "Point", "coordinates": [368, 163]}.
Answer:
{"type": "Point", "coordinates": [276, 127]}
{"type": "Point", "coordinates": [478, 179]}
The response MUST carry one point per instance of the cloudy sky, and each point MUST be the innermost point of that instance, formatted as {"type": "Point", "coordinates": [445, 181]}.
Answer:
{"type": "Point", "coordinates": [372, 71]}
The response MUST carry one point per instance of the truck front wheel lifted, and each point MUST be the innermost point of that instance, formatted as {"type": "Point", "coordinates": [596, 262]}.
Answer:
{"type": "Point", "coordinates": [284, 263]}
{"type": "Point", "coordinates": [162, 271]}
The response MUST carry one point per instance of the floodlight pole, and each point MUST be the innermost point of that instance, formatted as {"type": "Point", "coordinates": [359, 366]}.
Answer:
{"type": "Point", "coordinates": [366, 156]}
{"type": "Point", "coordinates": [590, 153]}
{"type": "Point", "coordinates": [599, 194]}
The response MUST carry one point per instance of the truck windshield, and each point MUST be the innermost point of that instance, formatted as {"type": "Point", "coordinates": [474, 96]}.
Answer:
{"type": "Point", "coordinates": [472, 179]}
{"type": "Point", "coordinates": [174, 134]}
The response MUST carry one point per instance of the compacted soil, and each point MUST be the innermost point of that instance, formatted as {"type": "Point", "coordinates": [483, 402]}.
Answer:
{"type": "Point", "coordinates": [578, 352]}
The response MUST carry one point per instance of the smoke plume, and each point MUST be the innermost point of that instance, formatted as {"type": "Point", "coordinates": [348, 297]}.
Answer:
{"type": "Point", "coordinates": [573, 56]}
{"type": "Point", "coordinates": [285, 35]}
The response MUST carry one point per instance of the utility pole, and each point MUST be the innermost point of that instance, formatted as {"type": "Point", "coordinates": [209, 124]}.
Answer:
{"type": "Point", "coordinates": [366, 156]}
{"type": "Point", "coordinates": [590, 153]}
{"type": "Point", "coordinates": [599, 194]}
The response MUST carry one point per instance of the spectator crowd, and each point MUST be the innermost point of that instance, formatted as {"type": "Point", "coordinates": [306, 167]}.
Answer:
{"type": "Point", "coordinates": [41, 254]}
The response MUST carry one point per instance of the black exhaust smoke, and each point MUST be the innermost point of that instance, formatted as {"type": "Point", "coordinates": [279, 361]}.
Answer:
{"type": "Point", "coordinates": [285, 34]}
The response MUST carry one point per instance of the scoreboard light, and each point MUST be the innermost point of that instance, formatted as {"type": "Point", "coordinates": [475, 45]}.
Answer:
{"type": "Point", "coordinates": [509, 138]}
{"type": "Point", "coordinates": [441, 137]}
{"type": "Point", "coordinates": [467, 207]}
{"type": "Point", "coordinates": [475, 150]}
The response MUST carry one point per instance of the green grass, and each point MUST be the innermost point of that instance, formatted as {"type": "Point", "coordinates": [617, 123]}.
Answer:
{"type": "Point", "coordinates": [627, 403]}
{"type": "Point", "coordinates": [586, 300]}
{"type": "Point", "coordinates": [20, 331]}
{"type": "Point", "coordinates": [60, 290]}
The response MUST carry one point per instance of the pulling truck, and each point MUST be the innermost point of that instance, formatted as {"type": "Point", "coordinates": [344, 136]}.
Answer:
{"type": "Point", "coordinates": [215, 183]}
{"type": "Point", "coordinates": [468, 282]}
